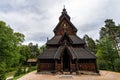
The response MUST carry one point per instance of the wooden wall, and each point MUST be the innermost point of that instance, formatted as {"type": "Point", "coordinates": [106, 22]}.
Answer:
{"type": "Point", "coordinates": [87, 65]}
{"type": "Point", "coordinates": [83, 65]}
{"type": "Point", "coordinates": [46, 65]}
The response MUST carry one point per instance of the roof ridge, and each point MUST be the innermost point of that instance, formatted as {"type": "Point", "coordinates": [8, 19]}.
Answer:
{"type": "Point", "coordinates": [57, 52]}
{"type": "Point", "coordinates": [73, 51]}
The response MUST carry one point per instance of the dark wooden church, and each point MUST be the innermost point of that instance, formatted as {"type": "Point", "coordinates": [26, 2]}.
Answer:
{"type": "Point", "coordinates": [66, 51]}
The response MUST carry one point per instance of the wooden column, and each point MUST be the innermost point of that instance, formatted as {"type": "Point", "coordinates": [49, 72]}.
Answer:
{"type": "Point", "coordinates": [77, 69]}
{"type": "Point", "coordinates": [62, 65]}
{"type": "Point", "coordinates": [96, 67]}
{"type": "Point", "coordinates": [55, 66]}
{"type": "Point", "coordinates": [71, 66]}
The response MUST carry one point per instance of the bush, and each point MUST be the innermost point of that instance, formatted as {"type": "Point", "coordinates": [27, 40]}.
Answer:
{"type": "Point", "coordinates": [102, 65]}
{"type": "Point", "coordinates": [117, 65]}
{"type": "Point", "coordinates": [31, 69]}
{"type": "Point", "coordinates": [19, 72]}
{"type": "Point", "coordinates": [2, 71]}
{"type": "Point", "coordinates": [2, 76]}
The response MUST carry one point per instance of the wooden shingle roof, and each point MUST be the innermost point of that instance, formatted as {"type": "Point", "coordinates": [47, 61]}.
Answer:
{"type": "Point", "coordinates": [84, 53]}
{"type": "Point", "coordinates": [55, 40]}
{"type": "Point", "coordinates": [76, 53]}
{"type": "Point", "coordinates": [74, 38]}
{"type": "Point", "coordinates": [48, 53]}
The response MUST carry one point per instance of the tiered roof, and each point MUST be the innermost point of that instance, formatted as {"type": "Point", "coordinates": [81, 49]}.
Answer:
{"type": "Point", "coordinates": [65, 38]}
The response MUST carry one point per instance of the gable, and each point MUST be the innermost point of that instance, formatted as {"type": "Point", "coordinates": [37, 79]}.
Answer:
{"type": "Point", "coordinates": [65, 25]}
{"type": "Point", "coordinates": [64, 38]}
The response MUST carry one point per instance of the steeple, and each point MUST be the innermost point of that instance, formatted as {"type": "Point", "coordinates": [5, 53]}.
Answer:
{"type": "Point", "coordinates": [64, 14]}
{"type": "Point", "coordinates": [65, 25]}
{"type": "Point", "coordinates": [64, 10]}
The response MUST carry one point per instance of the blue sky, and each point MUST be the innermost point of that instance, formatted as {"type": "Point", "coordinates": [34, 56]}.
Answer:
{"type": "Point", "coordinates": [36, 19]}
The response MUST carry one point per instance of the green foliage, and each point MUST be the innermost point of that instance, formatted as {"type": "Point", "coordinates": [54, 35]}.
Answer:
{"type": "Point", "coordinates": [34, 51]}
{"type": "Point", "coordinates": [102, 65]}
{"type": "Point", "coordinates": [24, 53]}
{"type": "Point", "coordinates": [42, 48]}
{"type": "Point", "coordinates": [107, 46]}
{"type": "Point", "coordinates": [9, 44]}
{"type": "Point", "coordinates": [117, 65]}
{"type": "Point", "coordinates": [106, 52]}
{"type": "Point", "coordinates": [112, 31]}
{"type": "Point", "coordinates": [31, 68]}
{"type": "Point", "coordinates": [90, 43]}
{"type": "Point", "coordinates": [2, 71]}
{"type": "Point", "coordinates": [19, 72]}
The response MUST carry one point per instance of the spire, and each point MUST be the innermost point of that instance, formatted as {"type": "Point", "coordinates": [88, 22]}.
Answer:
{"type": "Point", "coordinates": [64, 6]}
{"type": "Point", "coordinates": [64, 10]}
{"type": "Point", "coordinates": [64, 14]}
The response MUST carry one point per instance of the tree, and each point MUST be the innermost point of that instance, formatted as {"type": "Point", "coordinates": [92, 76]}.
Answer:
{"type": "Point", "coordinates": [9, 43]}
{"type": "Point", "coordinates": [34, 51]}
{"type": "Point", "coordinates": [2, 71]}
{"type": "Point", "coordinates": [42, 48]}
{"type": "Point", "coordinates": [117, 64]}
{"type": "Point", "coordinates": [111, 30]}
{"type": "Point", "coordinates": [90, 43]}
{"type": "Point", "coordinates": [107, 53]}
{"type": "Point", "coordinates": [24, 54]}
{"type": "Point", "coordinates": [107, 46]}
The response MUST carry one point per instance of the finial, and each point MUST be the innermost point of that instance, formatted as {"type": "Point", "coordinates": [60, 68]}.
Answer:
{"type": "Point", "coordinates": [64, 10]}
{"type": "Point", "coordinates": [64, 6]}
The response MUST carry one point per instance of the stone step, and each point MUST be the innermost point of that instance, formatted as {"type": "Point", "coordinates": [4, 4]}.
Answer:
{"type": "Point", "coordinates": [65, 76]}
{"type": "Point", "coordinates": [66, 73]}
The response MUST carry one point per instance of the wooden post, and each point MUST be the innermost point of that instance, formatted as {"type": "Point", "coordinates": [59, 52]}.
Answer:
{"type": "Point", "coordinates": [96, 67]}
{"type": "Point", "coordinates": [71, 66]}
{"type": "Point", "coordinates": [77, 69]}
{"type": "Point", "coordinates": [55, 66]}
{"type": "Point", "coordinates": [62, 65]}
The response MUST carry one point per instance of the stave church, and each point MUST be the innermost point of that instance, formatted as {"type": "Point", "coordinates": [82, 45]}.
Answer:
{"type": "Point", "coordinates": [66, 51]}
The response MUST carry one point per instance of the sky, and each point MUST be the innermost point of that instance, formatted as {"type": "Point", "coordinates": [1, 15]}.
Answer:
{"type": "Point", "coordinates": [36, 19]}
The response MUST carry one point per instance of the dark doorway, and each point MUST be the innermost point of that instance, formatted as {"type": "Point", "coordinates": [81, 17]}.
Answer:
{"type": "Point", "coordinates": [66, 61]}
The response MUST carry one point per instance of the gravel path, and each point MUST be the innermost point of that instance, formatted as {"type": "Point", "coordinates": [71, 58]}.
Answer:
{"type": "Point", "coordinates": [105, 75]}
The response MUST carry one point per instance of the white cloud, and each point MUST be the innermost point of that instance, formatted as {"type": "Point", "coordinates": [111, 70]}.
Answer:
{"type": "Point", "coordinates": [37, 19]}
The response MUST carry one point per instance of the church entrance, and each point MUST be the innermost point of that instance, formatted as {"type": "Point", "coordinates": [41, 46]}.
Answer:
{"type": "Point", "coordinates": [66, 61]}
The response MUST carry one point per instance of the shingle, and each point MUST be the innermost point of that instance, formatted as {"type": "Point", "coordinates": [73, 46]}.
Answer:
{"type": "Point", "coordinates": [58, 52]}
{"type": "Point", "coordinates": [76, 40]}
{"type": "Point", "coordinates": [54, 40]}
{"type": "Point", "coordinates": [48, 53]}
{"type": "Point", "coordinates": [76, 53]}
{"type": "Point", "coordinates": [72, 52]}
{"type": "Point", "coordinates": [84, 53]}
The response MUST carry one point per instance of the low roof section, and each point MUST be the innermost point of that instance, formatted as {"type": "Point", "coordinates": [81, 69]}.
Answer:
{"type": "Point", "coordinates": [76, 53]}
{"type": "Point", "coordinates": [74, 38]}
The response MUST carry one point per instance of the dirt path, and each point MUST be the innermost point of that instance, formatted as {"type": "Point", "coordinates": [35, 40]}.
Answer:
{"type": "Point", "coordinates": [105, 75]}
